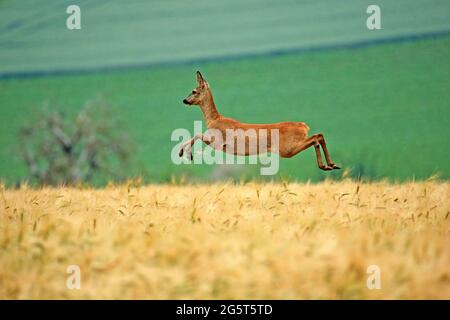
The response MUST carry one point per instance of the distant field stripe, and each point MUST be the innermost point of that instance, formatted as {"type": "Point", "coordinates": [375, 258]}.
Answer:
{"type": "Point", "coordinates": [276, 52]}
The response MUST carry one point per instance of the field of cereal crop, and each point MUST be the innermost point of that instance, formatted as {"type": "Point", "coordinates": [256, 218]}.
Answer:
{"type": "Point", "coordinates": [239, 241]}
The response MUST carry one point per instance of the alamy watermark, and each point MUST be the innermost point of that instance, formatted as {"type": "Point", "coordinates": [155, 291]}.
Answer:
{"type": "Point", "coordinates": [373, 22]}
{"type": "Point", "coordinates": [374, 278]}
{"type": "Point", "coordinates": [73, 21]}
{"type": "Point", "coordinates": [260, 145]}
{"type": "Point", "coordinates": [73, 281]}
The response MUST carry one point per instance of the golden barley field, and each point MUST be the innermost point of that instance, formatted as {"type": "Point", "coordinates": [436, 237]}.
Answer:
{"type": "Point", "coordinates": [227, 241]}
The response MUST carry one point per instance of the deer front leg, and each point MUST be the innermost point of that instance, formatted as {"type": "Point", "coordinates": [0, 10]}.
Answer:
{"type": "Point", "coordinates": [187, 146]}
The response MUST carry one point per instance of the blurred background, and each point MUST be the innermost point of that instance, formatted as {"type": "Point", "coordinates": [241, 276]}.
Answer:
{"type": "Point", "coordinates": [99, 104]}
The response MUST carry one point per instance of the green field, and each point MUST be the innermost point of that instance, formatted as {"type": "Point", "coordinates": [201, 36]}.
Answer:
{"type": "Point", "coordinates": [383, 109]}
{"type": "Point", "coordinates": [381, 97]}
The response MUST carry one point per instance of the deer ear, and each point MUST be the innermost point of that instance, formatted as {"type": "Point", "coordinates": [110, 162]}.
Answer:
{"type": "Point", "coordinates": [200, 79]}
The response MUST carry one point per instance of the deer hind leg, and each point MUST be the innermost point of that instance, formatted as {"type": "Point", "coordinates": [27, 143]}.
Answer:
{"type": "Point", "coordinates": [325, 151]}
{"type": "Point", "coordinates": [305, 144]}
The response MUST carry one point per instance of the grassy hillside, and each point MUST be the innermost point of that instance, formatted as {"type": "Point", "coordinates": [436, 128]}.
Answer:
{"type": "Point", "coordinates": [223, 241]}
{"type": "Point", "coordinates": [383, 109]}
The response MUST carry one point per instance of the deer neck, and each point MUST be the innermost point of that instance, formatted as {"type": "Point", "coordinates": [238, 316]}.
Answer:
{"type": "Point", "coordinates": [209, 109]}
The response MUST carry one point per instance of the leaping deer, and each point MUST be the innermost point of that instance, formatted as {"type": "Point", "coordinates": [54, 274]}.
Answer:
{"type": "Point", "coordinates": [293, 136]}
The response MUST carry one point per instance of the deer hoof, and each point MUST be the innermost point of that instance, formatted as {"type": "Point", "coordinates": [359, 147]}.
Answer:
{"type": "Point", "coordinates": [180, 153]}
{"type": "Point", "coordinates": [325, 168]}
{"type": "Point", "coordinates": [334, 167]}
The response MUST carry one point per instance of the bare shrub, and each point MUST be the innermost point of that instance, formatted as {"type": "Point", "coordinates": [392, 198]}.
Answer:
{"type": "Point", "coordinates": [58, 149]}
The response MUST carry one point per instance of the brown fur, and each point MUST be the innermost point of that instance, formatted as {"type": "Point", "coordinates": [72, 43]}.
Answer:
{"type": "Point", "coordinates": [293, 136]}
